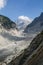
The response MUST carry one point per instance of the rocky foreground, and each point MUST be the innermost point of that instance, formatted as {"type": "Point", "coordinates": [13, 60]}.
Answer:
{"type": "Point", "coordinates": [33, 55]}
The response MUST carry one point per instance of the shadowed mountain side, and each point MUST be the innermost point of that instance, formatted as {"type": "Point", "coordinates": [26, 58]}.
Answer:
{"type": "Point", "coordinates": [7, 23]}
{"type": "Point", "coordinates": [36, 25]}
{"type": "Point", "coordinates": [33, 55]}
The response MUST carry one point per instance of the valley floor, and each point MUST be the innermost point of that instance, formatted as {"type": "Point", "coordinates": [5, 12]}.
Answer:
{"type": "Point", "coordinates": [11, 46]}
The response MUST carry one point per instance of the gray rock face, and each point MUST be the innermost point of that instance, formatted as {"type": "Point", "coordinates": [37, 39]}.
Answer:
{"type": "Point", "coordinates": [6, 22]}
{"type": "Point", "coordinates": [36, 25]}
{"type": "Point", "coordinates": [33, 55]}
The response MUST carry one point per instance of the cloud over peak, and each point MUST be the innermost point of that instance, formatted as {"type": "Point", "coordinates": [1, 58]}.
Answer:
{"type": "Point", "coordinates": [2, 3]}
{"type": "Point", "coordinates": [25, 19]}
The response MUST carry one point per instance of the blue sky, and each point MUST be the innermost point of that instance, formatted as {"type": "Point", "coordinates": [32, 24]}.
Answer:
{"type": "Point", "coordinates": [16, 8]}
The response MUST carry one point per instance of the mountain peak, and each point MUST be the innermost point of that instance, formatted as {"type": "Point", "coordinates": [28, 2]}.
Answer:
{"type": "Point", "coordinates": [36, 25]}
{"type": "Point", "coordinates": [6, 22]}
{"type": "Point", "coordinates": [41, 14]}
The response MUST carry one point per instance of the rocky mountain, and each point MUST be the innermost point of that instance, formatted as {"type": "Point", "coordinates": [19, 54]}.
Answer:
{"type": "Point", "coordinates": [33, 55]}
{"type": "Point", "coordinates": [12, 41]}
{"type": "Point", "coordinates": [36, 25]}
{"type": "Point", "coordinates": [6, 23]}
{"type": "Point", "coordinates": [8, 37]}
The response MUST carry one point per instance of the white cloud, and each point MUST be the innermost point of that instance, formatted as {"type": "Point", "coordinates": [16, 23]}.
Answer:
{"type": "Point", "coordinates": [2, 3]}
{"type": "Point", "coordinates": [25, 19]}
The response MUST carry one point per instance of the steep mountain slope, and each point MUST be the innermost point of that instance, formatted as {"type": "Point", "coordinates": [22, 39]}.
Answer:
{"type": "Point", "coordinates": [33, 55]}
{"type": "Point", "coordinates": [6, 22]}
{"type": "Point", "coordinates": [36, 25]}
{"type": "Point", "coordinates": [8, 32]}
